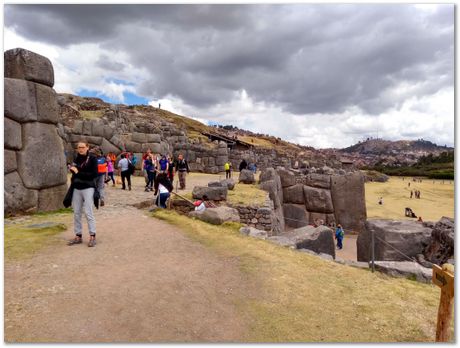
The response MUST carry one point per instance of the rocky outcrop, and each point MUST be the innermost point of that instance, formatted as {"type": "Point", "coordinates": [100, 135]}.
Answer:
{"type": "Point", "coordinates": [405, 269]}
{"type": "Point", "coordinates": [217, 216]}
{"type": "Point", "coordinates": [441, 246]}
{"type": "Point", "coordinates": [213, 193]}
{"type": "Point", "coordinates": [35, 165]}
{"type": "Point", "coordinates": [393, 240]}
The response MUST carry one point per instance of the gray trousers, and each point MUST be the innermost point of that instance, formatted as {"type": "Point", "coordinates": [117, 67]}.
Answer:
{"type": "Point", "coordinates": [100, 185]}
{"type": "Point", "coordinates": [83, 199]}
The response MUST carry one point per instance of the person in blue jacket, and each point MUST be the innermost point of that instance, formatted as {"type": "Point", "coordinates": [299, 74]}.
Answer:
{"type": "Point", "coordinates": [339, 233]}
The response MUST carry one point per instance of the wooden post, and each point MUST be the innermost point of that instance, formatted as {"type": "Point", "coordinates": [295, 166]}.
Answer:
{"type": "Point", "coordinates": [444, 278]}
{"type": "Point", "coordinates": [372, 251]}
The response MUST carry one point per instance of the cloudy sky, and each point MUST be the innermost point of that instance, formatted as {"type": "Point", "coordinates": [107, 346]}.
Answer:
{"type": "Point", "coordinates": [321, 75]}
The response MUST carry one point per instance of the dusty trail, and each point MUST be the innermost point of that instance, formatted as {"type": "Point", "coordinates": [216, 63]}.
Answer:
{"type": "Point", "coordinates": [145, 281]}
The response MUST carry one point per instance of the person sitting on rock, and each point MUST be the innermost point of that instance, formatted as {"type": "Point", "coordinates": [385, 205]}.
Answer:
{"type": "Point", "coordinates": [203, 204]}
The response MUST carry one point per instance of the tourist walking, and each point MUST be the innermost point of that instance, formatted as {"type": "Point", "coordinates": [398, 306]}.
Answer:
{"type": "Point", "coordinates": [339, 233]}
{"type": "Point", "coordinates": [171, 167]}
{"type": "Point", "coordinates": [411, 193]}
{"type": "Point", "coordinates": [148, 167]}
{"type": "Point", "coordinates": [101, 174]}
{"type": "Point", "coordinates": [124, 172]}
{"type": "Point", "coordinates": [228, 167]}
{"type": "Point", "coordinates": [84, 174]}
{"type": "Point", "coordinates": [110, 169]}
{"type": "Point", "coordinates": [163, 187]}
{"type": "Point", "coordinates": [183, 169]}
{"type": "Point", "coordinates": [144, 171]}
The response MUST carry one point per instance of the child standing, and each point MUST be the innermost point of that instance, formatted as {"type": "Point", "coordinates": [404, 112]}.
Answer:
{"type": "Point", "coordinates": [339, 236]}
{"type": "Point", "coordinates": [109, 171]}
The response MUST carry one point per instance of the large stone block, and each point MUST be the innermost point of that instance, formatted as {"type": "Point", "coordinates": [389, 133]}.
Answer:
{"type": "Point", "coordinates": [442, 242]}
{"type": "Point", "coordinates": [41, 162]}
{"type": "Point", "coordinates": [319, 240]}
{"type": "Point", "coordinates": [213, 193]}
{"type": "Point", "coordinates": [318, 180]}
{"type": "Point", "coordinates": [139, 137]}
{"type": "Point", "coordinates": [10, 161]}
{"type": "Point", "coordinates": [287, 177]}
{"type": "Point", "coordinates": [246, 177]}
{"type": "Point", "coordinates": [26, 65]}
{"type": "Point", "coordinates": [94, 140]}
{"type": "Point", "coordinates": [17, 198]}
{"type": "Point", "coordinates": [347, 192]}
{"type": "Point", "coordinates": [153, 138]}
{"type": "Point", "coordinates": [108, 132]}
{"type": "Point", "coordinates": [317, 216]}
{"type": "Point", "coordinates": [87, 128]}
{"type": "Point", "coordinates": [221, 160]}
{"type": "Point", "coordinates": [107, 147]}
{"type": "Point", "coordinates": [392, 240]}
{"type": "Point", "coordinates": [51, 198]}
{"type": "Point", "coordinates": [98, 129]}
{"type": "Point", "coordinates": [268, 174]}
{"type": "Point", "coordinates": [318, 200]}
{"type": "Point", "coordinates": [405, 269]}
{"type": "Point", "coordinates": [12, 134]}
{"type": "Point", "coordinates": [217, 216]}
{"type": "Point", "coordinates": [47, 105]}
{"type": "Point", "coordinates": [20, 100]}
{"type": "Point", "coordinates": [294, 194]}
{"type": "Point", "coordinates": [295, 215]}
{"type": "Point", "coordinates": [77, 127]}
{"type": "Point", "coordinates": [131, 146]}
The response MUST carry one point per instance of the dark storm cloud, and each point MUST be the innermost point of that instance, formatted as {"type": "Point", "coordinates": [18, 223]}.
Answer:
{"type": "Point", "coordinates": [304, 58]}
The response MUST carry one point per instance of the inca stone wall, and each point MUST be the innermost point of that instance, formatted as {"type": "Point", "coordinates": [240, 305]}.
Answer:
{"type": "Point", "coordinates": [333, 198]}
{"type": "Point", "coordinates": [35, 164]}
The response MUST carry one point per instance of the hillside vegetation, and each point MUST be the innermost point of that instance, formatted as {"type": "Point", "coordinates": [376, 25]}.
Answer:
{"type": "Point", "coordinates": [431, 166]}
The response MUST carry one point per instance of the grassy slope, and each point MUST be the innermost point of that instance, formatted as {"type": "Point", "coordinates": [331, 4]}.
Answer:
{"type": "Point", "coordinates": [437, 199]}
{"type": "Point", "coordinates": [21, 242]}
{"type": "Point", "coordinates": [303, 298]}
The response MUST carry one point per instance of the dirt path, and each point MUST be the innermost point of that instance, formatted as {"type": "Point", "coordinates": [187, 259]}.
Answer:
{"type": "Point", "coordinates": [145, 281]}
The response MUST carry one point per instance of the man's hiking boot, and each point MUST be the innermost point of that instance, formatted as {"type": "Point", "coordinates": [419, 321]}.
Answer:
{"type": "Point", "coordinates": [129, 188]}
{"type": "Point", "coordinates": [76, 240]}
{"type": "Point", "coordinates": [102, 203]}
{"type": "Point", "coordinates": [92, 242]}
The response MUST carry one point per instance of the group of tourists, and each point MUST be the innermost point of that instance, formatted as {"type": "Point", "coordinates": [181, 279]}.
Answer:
{"type": "Point", "coordinates": [91, 170]}
{"type": "Point", "coordinates": [415, 193]}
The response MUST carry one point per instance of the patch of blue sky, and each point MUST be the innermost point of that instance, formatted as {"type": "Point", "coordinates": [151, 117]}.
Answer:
{"type": "Point", "coordinates": [129, 98]}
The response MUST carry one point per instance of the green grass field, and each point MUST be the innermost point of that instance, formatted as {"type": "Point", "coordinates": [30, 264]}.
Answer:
{"type": "Point", "coordinates": [437, 199]}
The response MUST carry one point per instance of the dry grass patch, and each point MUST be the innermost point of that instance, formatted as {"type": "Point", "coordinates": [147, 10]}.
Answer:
{"type": "Point", "coordinates": [303, 298]}
{"type": "Point", "coordinates": [245, 194]}
{"type": "Point", "coordinates": [91, 114]}
{"type": "Point", "coordinates": [437, 199]}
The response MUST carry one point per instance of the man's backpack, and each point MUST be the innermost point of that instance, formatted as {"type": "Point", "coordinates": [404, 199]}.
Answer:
{"type": "Point", "coordinates": [131, 167]}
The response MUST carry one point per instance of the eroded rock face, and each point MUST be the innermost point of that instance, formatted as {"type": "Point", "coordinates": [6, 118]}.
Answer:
{"type": "Point", "coordinates": [347, 193]}
{"type": "Point", "coordinates": [409, 237]}
{"type": "Point", "coordinates": [442, 242]}
{"type": "Point", "coordinates": [405, 269]}
{"type": "Point", "coordinates": [294, 194]}
{"type": "Point", "coordinates": [26, 65]}
{"type": "Point", "coordinates": [41, 162]}
{"type": "Point", "coordinates": [35, 164]}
